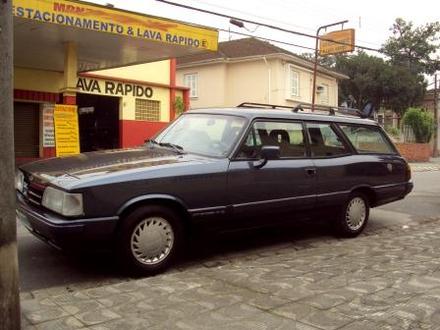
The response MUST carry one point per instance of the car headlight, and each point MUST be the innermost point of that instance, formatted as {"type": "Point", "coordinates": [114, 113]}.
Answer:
{"type": "Point", "coordinates": [63, 202]}
{"type": "Point", "coordinates": [19, 180]}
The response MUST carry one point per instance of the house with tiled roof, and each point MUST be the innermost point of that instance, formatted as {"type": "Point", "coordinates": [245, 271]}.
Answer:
{"type": "Point", "coordinates": [252, 70]}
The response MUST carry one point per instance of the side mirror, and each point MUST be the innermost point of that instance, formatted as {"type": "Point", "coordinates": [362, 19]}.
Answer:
{"type": "Point", "coordinates": [267, 153]}
{"type": "Point", "coordinates": [270, 152]}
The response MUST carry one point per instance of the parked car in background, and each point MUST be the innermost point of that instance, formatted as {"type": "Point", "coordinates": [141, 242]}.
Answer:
{"type": "Point", "coordinates": [213, 169]}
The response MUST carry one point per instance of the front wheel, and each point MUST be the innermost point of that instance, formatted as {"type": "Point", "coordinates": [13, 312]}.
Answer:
{"type": "Point", "coordinates": [353, 216]}
{"type": "Point", "coordinates": [150, 238]}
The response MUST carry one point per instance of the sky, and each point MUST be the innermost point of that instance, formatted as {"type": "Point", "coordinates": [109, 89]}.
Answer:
{"type": "Point", "coordinates": [371, 19]}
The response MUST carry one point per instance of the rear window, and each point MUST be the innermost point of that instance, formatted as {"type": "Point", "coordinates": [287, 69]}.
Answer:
{"type": "Point", "coordinates": [367, 139]}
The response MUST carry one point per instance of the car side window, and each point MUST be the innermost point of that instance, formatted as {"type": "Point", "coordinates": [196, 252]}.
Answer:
{"type": "Point", "coordinates": [289, 136]}
{"type": "Point", "coordinates": [367, 139]}
{"type": "Point", "coordinates": [324, 141]}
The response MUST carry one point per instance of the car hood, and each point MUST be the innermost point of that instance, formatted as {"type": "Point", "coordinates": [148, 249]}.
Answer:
{"type": "Point", "coordinates": [99, 163]}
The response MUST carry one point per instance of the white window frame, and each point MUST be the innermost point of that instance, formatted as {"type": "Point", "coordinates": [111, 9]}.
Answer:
{"type": "Point", "coordinates": [191, 80]}
{"type": "Point", "coordinates": [324, 96]}
{"type": "Point", "coordinates": [293, 77]}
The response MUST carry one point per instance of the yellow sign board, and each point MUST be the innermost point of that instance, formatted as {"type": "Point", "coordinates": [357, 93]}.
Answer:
{"type": "Point", "coordinates": [65, 119]}
{"type": "Point", "coordinates": [76, 14]}
{"type": "Point", "coordinates": [344, 42]}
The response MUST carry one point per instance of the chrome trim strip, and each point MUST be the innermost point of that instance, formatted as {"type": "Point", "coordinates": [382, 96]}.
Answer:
{"type": "Point", "coordinates": [334, 193]}
{"type": "Point", "coordinates": [390, 185]}
{"type": "Point", "coordinates": [273, 200]}
{"type": "Point", "coordinates": [285, 199]}
{"type": "Point", "coordinates": [207, 209]}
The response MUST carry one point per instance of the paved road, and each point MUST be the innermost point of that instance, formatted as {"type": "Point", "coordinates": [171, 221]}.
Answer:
{"type": "Point", "coordinates": [386, 279]}
{"type": "Point", "coordinates": [43, 267]}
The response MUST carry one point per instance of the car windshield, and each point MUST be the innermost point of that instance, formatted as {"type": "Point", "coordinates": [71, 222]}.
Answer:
{"type": "Point", "coordinates": [206, 134]}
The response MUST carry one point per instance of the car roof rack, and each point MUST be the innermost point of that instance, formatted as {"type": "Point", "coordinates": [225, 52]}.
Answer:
{"type": "Point", "coordinates": [366, 112]}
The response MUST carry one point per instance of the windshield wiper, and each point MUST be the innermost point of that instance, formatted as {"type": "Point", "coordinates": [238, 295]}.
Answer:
{"type": "Point", "coordinates": [151, 141]}
{"type": "Point", "coordinates": [175, 147]}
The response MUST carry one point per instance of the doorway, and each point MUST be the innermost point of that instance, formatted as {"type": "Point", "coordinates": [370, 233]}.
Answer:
{"type": "Point", "coordinates": [26, 130]}
{"type": "Point", "coordinates": [98, 118]}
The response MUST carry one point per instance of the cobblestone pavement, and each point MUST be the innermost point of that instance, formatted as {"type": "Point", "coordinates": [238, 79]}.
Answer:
{"type": "Point", "coordinates": [433, 165]}
{"type": "Point", "coordinates": [384, 279]}
{"type": "Point", "coordinates": [424, 167]}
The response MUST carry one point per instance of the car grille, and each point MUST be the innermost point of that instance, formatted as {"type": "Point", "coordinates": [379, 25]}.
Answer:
{"type": "Point", "coordinates": [34, 192]}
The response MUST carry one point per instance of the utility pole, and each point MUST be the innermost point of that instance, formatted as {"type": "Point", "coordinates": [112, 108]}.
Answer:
{"type": "Point", "coordinates": [9, 298]}
{"type": "Point", "coordinates": [435, 152]}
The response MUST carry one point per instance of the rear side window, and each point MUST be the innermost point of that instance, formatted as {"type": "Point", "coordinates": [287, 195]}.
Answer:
{"type": "Point", "coordinates": [367, 139]}
{"type": "Point", "coordinates": [324, 142]}
{"type": "Point", "coordinates": [288, 136]}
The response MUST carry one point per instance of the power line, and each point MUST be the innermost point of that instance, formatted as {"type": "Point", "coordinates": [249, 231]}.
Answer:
{"type": "Point", "coordinates": [266, 25]}
{"type": "Point", "coordinates": [266, 39]}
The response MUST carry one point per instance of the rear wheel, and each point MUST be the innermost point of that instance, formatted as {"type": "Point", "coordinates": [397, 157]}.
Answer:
{"type": "Point", "coordinates": [150, 239]}
{"type": "Point", "coordinates": [353, 216]}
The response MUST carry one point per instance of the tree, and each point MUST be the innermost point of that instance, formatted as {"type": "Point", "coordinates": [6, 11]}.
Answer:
{"type": "Point", "coordinates": [414, 47]}
{"type": "Point", "coordinates": [374, 79]}
{"type": "Point", "coordinates": [327, 61]}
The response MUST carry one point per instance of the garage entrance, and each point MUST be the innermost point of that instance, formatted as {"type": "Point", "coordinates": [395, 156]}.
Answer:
{"type": "Point", "coordinates": [98, 118]}
{"type": "Point", "coordinates": [27, 130]}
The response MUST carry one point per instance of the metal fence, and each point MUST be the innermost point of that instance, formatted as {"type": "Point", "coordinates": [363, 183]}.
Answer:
{"type": "Point", "coordinates": [408, 134]}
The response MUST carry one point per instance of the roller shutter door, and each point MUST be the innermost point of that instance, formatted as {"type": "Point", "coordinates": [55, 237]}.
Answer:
{"type": "Point", "coordinates": [26, 129]}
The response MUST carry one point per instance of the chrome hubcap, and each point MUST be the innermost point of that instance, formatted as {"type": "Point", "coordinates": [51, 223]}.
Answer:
{"type": "Point", "coordinates": [356, 213]}
{"type": "Point", "coordinates": [152, 240]}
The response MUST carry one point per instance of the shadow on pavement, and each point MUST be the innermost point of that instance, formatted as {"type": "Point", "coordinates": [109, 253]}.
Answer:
{"type": "Point", "coordinates": [42, 266]}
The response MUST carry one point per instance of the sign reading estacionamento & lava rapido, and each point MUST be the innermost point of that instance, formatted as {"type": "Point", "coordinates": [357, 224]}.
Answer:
{"type": "Point", "coordinates": [109, 20]}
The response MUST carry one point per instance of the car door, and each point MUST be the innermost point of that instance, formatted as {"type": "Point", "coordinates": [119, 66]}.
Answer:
{"type": "Point", "coordinates": [332, 158]}
{"type": "Point", "coordinates": [283, 185]}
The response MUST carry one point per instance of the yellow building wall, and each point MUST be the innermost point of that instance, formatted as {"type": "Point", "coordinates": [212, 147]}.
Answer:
{"type": "Point", "coordinates": [306, 86]}
{"type": "Point", "coordinates": [38, 80]}
{"type": "Point", "coordinates": [226, 85]}
{"type": "Point", "coordinates": [248, 82]}
{"type": "Point", "coordinates": [211, 85]}
{"type": "Point", "coordinates": [127, 105]}
{"type": "Point", "coordinates": [157, 72]}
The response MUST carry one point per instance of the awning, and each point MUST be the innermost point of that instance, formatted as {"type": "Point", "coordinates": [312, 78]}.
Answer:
{"type": "Point", "coordinates": [105, 37]}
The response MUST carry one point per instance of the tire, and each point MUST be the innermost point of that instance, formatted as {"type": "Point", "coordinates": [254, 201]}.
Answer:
{"type": "Point", "coordinates": [150, 240]}
{"type": "Point", "coordinates": [353, 216]}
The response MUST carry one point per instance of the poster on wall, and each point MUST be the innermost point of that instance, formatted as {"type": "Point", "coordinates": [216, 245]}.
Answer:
{"type": "Point", "coordinates": [66, 130]}
{"type": "Point", "coordinates": [48, 129]}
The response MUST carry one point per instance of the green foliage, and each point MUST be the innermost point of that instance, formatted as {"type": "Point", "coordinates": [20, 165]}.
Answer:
{"type": "Point", "coordinates": [414, 47]}
{"type": "Point", "coordinates": [179, 106]}
{"type": "Point", "coordinates": [421, 122]}
{"type": "Point", "coordinates": [393, 131]}
{"type": "Point", "coordinates": [374, 79]}
{"type": "Point", "coordinates": [328, 61]}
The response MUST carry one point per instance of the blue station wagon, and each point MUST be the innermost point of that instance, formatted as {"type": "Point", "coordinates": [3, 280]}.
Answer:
{"type": "Point", "coordinates": [213, 169]}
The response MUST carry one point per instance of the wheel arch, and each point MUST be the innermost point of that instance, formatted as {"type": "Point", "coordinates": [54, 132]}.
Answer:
{"type": "Point", "coordinates": [156, 199]}
{"type": "Point", "coordinates": [368, 192]}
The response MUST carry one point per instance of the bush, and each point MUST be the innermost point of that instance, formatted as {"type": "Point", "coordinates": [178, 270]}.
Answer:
{"type": "Point", "coordinates": [179, 106]}
{"type": "Point", "coordinates": [421, 122]}
{"type": "Point", "coordinates": [393, 131]}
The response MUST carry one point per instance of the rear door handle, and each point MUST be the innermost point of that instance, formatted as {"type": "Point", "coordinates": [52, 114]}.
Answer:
{"type": "Point", "coordinates": [311, 171]}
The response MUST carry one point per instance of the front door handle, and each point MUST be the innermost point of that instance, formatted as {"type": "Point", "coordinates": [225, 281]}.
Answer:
{"type": "Point", "coordinates": [311, 171]}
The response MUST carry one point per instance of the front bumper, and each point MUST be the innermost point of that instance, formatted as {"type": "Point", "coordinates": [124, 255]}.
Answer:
{"type": "Point", "coordinates": [61, 232]}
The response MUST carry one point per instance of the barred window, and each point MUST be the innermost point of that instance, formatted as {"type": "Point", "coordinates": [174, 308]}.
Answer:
{"type": "Point", "coordinates": [147, 110]}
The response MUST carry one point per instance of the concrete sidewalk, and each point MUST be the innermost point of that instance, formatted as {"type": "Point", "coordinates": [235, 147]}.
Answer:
{"type": "Point", "coordinates": [386, 279]}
